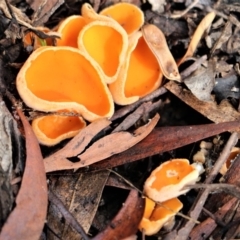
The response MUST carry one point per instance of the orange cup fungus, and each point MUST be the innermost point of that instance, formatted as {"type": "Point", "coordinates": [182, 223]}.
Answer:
{"type": "Point", "coordinates": [52, 129]}
{"type": "Point", "coordinates": [157, 216]}
{"type": "Point", "coordinates": [56, 78]}
{"type": "Point", "coordinates": [69, 30]}
{"type": "Point", "coordinates": [233, 154]}
{"type": "Point", "coordinates": [106, 43]}
{"type": "Point", "coordinates": [129, 16]}
{"type": "Point", "coordinates": [139, 75]}
{"type": "Point", "coordinates": [94, 50]}
{"type": "Point", "coordinates": [169, 179]}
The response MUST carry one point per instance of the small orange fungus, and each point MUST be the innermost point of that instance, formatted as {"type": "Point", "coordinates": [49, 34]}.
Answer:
{"type": "Point", "coordinates": [69, 30]}
{"type": "Point", "coordinates": [31, 39]}
{"type": "Point", "coordinates": [168, 180]}
{"type": "Point", "coordinates": [162, 215]}
{"type": "Point", "coordinates": [56, 78]}
{"type": "Point", "coordinates": [52, 129]}
{"type": "Point", "coordinates": [106, 43]}
{"type": "Point", "coordinates": [233, 154]}
{"type": "Point", "coordinates": [129, 16]}
{"type": "Point", "coordinates": [139, 75]}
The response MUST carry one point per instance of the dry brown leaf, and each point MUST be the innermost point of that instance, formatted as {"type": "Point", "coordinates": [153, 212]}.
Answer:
{"type": "Point", "coordinates": [163, 139]}
{"type": "Point", "coordinates": [103, 148]}
{"type": "Point", "coordinates": [81, 194]}
{"type": "Point", "coordinates": [202, 27]}
{"type": "Point", "coordinates": [59, 160]}
{"type": "Point", "coordinates": [12, 12]}
{"type": "Point", "coordinates": [224, 112]}
{"type": "Point", "coordinates": [156, 41]}
{"type": "Point", "coordinates": [27, 219]}
{"type": "Point", "coordinates": [126, 221]}
{"type": "Point", "coordinates": [202, 81]}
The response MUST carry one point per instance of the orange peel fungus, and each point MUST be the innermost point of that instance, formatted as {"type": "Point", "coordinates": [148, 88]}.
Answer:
{"type": "Point", "coordinates": [52, 129]}
{"type": "Point", "coordinates": [128, 15]}
{"type": "Point", "coordinates": [69, 30]}
{"type": "Point", "coordinates": [169, 179]}
{"type": "Point", "coordinates": [140, 74]}
{"type": "Point", "coordinates": [47, 82]}
{"type": "Point", "coordinates": [106, 43]}
{"type": "Point", "coordinates": [157, 216]}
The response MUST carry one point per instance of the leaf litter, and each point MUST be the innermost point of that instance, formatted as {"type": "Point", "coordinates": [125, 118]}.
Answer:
{"type": "Point", "coordinates": [93, 152]}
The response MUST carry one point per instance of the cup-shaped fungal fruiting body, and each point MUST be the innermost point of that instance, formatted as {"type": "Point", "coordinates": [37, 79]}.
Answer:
{"type": "Point", "coordinates": [128, 15]}
{"type": "Point", "coordinates": [52, 129]}
{"type": "Point", "coordinates": [57, 78]}
{"type": "Point", "coordinates": [139, 75]}
{"type": "Point", "coordinates": [69, 30]}
{"type": "Point", "coordinates": [105, 42]}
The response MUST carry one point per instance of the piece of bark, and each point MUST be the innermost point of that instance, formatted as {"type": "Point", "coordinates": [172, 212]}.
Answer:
{"type": "Point", "coordinates": [8, 133]}
{"type": "Point", "coordinates": [231, 177]}
{"type": "Point", "coordinates": [206, 227]}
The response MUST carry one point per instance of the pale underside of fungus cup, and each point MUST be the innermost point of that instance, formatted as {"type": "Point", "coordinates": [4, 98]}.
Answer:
{"type": "Point", "coordinates": [169, 179]}
{"type": "Point", "coordinates": [52, 129]}
{"type": "Point", "coordinates": [106, 43]}
{"type": "Point", "coordinates": [139, 75]}
{"type": "Point", "coordinates": [128, 15]}
{"type": "Point", "coordinates": [57, 78]}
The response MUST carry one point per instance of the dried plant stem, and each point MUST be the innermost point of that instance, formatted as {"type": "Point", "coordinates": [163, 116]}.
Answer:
{"type": "Point", "coordinates": [188, 71]}
{"type": "Point", "coordinates": [127, 109]}
{"type": "Point", "coordinates": [225, 187]}
{"type": "Point", "coordinates": [192, 5]}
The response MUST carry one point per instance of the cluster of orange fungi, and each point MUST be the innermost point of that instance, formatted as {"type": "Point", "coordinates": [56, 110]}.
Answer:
{"type": "Point", "coordinates": [98, 60]}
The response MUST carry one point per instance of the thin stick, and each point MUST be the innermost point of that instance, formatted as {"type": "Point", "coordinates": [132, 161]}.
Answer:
{"type": "Point", "coordinates": [125, 110]}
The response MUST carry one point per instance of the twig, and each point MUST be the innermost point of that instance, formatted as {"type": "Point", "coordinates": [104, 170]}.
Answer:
{"type": "Point", "coordinates": [227, 188]}
{"type": "Point", "coordinates": [125, 110]}
{"type": "Point", "coordinates": [192, 5]}
{"type": "Point", "coordinates": [67, 215]}
{"type": "Point", "coordinates": [188, 71]}
{"type": "Point", "coordinates": [212, 216]}
{"type": "Point", "coordinates": [184, 232]}
{"type": "Point", "coordinates": [130, 120]}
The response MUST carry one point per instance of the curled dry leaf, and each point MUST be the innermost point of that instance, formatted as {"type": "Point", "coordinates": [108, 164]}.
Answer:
{"type": "Point", "coordinates": [156, 41]}
{"type": "Point", "coordinates": [115, 143]}
{"type": "Point", "coordinates": [101, 149]}
{"type": "Point", "coordinates": [126, 221]}
{"type": "Point", "coordinates": [59, 160]}
{"type": "Point", "coordinates": [165, 139]}
{"type": "Point", "coordinates": [27, 219]}
{"type": "Point", "coordinates": [202, 27]}
{"type": "Point", "coordinates": [202, 81]}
